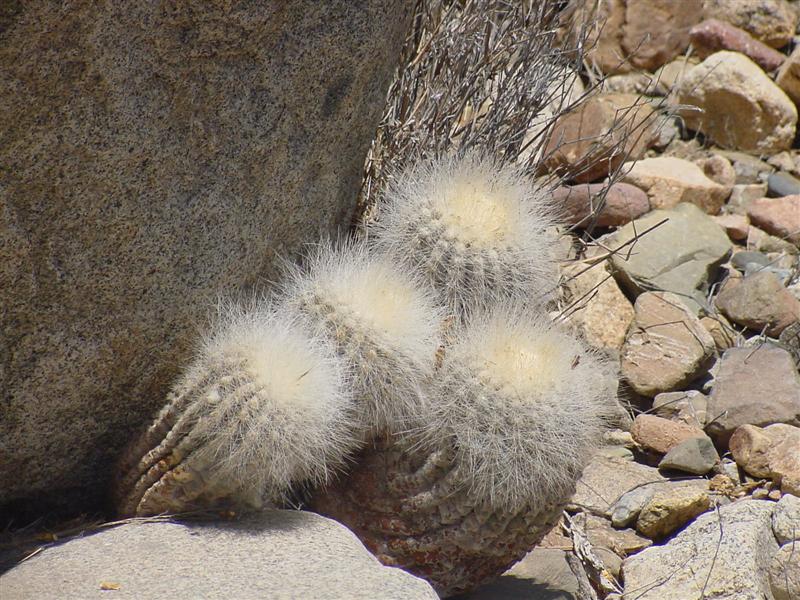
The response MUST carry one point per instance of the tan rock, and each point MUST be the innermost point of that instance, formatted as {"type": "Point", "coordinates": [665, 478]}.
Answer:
{"type": "Point", "coordinates": [770, 21]}
{"type": "Point", "coordinates": [671, 74]}
{"type": "Point", "coordinates": [670, 509]}
{"type": "Point", "coordinates": [744, 193]}
{"type": "Point", "coordinates": [666, 346]}
{"type": "Point", "coordinates": [669, 181]}
{"type": "Point", "coordinates": [778, 216]}
{"type": "Point", "coordinates": [596, 137]}
{"type": "Point", "coordinates": [788, 78]}
{"type": "Point", "coordinates": [724, 335]}
{"type": "Point", "coordinates": [760, 240]}
{"type": "Point", "coordinates": [662, 435]}
{"type": "Point", "coordinates": [750, 447]}
{"type": "Point", "coordinates": [606, 313]}
{"type": "Point", "coordinates": [689, 407]}
{"type": "Point", "coordinates": [760, 302]}
{"type": "Point", "coordinates": [736, 226]}
{"type": "Point", "coordinates": [742, 108]}
{"type": "Point", "coordinates": [718, 168]}
{"type": "Point", "coordinates": [784, 461]}
{"type": "Point", "coordinates": [784, 573]}
{"type": "Point", "coordinates": [600, 204]}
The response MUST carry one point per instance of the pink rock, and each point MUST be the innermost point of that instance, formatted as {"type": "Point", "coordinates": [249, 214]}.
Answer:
{"type": "Point", "coordinates": [662, 435]}
{"type": "Point", "coordinates": [759, 302]}
{"type": "Point", "coordinates": [713, 35]}
{"type": "Point", "coordinates": [778, 216]}
{"type": "Point", "coordinates": [623, 203]}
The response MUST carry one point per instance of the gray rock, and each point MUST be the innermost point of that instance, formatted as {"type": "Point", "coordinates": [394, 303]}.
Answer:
{"type": "Point", "coordinates": [749, 169]}
{"type": "Point", "coordinates": [781, 184]}
{"type": "Point", "coordinates": [723, 554]}
{"type": "Point", "coordinates": [680, 256]}
{"type": "Point", "coordinates": [277, 554]}
{"type": "Point", "coordinates": [627, 508]}
{"type": "Point", "coordinates": [786, 519]}
{"type": "Point", "coordinates": [784, 572]}
{"type": "Point", "coordinates": [740, 260]}
{"type": "Point", "coordinates": [154, 159]}
{"type": "Point", "coordinates": [756, 386]}
{"type": "Point", "coordinates": [782, 275]}
{"type": "Point", "coordinates": [695, 455]}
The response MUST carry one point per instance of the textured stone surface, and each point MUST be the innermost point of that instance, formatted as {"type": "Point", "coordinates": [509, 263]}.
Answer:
{"type": "Point", "coordinates": [678, 256]}
{"type": "Point", "coordinates": [778, 216]}
{"type": "Point", "coordinates": [155, 158]}
{"type": "Point", "coordinates": [277, 554]}
{"type": "Point", "coordinates": [757, 386]}
{"type": "Point", "coordinates": [671, 508]}
{"type": "Point", "coordinates": [788, 78]}
{"type": "Point", "coordinates": [666, 346]}
{"type": "Point", "coordinates": [606, 313]}
{"type": "Point", "coordinates": [713, 35]}
{"type": "Point", "coordinates": [605, 480]}
{"type": "Point", "coordinates": [784, 461]}
{"type": "Point", "coordinates": [669, 181]}
{"type": "Point", "coordinates": [688, 407]}
{"type": "Point", "coordinates": [759, 302]}
{"type": "Point", "coordinates": [726, 553]}
{"type": "Point", "coordinates": [695, 455]}
{"type": "Point", "coordinates": [786, 519]}
{"type": "Point", "coordinates": [584, 204]}
{"type": "Point", "coordinates": [661, 435]}
{"type": "Point", "coordinates": [770, 21]}
{"type": "Point", "coordinates": [743, 108]}
{"type": "Point", "coordinates": [592, 140]}
{"type": "Point", "coordinates": [750, 447]}
{"type": "Point", "coordinates": [784, 572]}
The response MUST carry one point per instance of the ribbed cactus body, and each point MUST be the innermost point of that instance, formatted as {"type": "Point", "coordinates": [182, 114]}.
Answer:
{"type": "Point", "coordinates": [407, 506]}
{"type": "Point", "coordinates": [523, 406]}
{"type": "Point", "coordinates": [477, 231]}
{"type": "Point", "coordinates": [384, 324]}
{"type": "Point", "coordinates": [264, 408]}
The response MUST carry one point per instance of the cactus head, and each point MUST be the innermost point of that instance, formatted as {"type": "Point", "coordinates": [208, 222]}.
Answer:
{"type": "Point", "coordinates": [264, 408]}
{"type": "Point", "coordinates": [383, 322]}
{"type": "Point", "coordinates": [475, 229]}
{"type": "Point", "coordinates": [523, 405]}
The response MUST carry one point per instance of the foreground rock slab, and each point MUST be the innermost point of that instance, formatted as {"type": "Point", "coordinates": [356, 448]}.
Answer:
{"type": "Point", "coordinates": [154, 159]}
{"type": "Point", "coordinates": [724, 554]}
{"type": "Point", "coordinates": [278, 554]}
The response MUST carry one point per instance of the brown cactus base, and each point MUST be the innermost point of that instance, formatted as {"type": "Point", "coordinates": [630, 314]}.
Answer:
{"type": "Point", "coordinates": [412, 511]}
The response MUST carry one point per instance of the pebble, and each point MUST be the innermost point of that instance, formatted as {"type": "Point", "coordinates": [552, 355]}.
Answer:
{"type": "Point", "coordinates": [781, 184]}
{"type": "Point", "coordinates": [735, 225]}
{"type": "Point", "coordinates": [759, 302]}
{"type": "Point", "coordinates": [741, 259]}
{"type": "Point", "coordinates": [778, 216]}
{"type": "Point", "coordinates": [666, 346]}
{"type": "Point", "coordinates": [757, 386]}
{"type": "Point", "coordinates": [661, 435]}
{"type": "Point", "coordinates": [696, 455]}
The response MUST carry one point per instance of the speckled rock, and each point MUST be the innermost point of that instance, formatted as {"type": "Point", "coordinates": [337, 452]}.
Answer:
{"type": "Point", "coordinates": [757, 386]}
{"type": "Point", "coordinates": [276, 554]}
{"type": "Point", "coordinates": [669, 181]}
{"type": "Point", "coordinates": [743, 108]}
{"type": "Point", "coordinates": [784, 573]}
{"type": "Point", "coordinates": [156, 157]}
{"type": "Point", "coordinates": [786, 519]}
{"type": "Point", "coordinates": [725, 552]}
{"type": "Point", "coordinates": [680, 255]}
{"type": "Point", "coordinates": [666, 346]}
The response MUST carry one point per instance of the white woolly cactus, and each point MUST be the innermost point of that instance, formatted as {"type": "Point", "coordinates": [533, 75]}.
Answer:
{"type": "Point", "coordinates": [264, 407]}
{"type": "Point", "coordinates": [522, 404]}
{"type": "Point", "coordinates": [477, 230]}
{"type": "Point", "coordinates": [383, 322]}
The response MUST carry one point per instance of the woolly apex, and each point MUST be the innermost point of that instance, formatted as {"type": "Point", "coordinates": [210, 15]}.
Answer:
{"type": "Point", "coordinates": [270, 403]}
{"type": "Point", "coordinates": [474, 228]}
{"type": "Point", "coordinates": [384, 322]}
{"type": "Point", "coordinates": [523, 404]}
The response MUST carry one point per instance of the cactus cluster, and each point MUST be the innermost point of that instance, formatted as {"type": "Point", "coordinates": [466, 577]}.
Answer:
{"type": "Point", "coordinates": [423, 355]}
